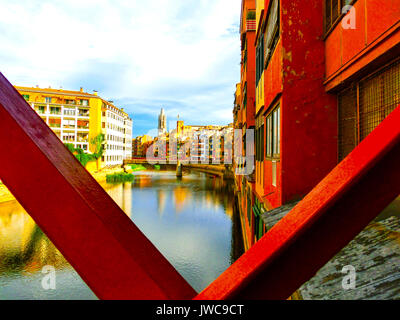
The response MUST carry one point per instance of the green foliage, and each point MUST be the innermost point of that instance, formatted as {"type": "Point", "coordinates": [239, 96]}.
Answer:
{"type": "Point", "coordinates": [98, 141]}
{"type": "Point", "coordinates": [137, 167]}
{"type": "Point", "coordinates": [70, 147]}
{"type": "Point", "coordinates": [120, 177]}
{"type": "Point", "coordinates": [157, 167]}
{"type": "Point", "coordinates": [83, 157]}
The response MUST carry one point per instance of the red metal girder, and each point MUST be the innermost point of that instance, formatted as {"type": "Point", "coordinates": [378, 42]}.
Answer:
{"type": "Point", "coordinates": [327, 219]}
{"type": "Point", "coordinates": [98, 239]}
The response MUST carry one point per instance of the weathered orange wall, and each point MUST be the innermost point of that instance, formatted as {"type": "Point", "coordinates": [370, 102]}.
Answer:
{"type": "Point", "coordinates": [250, 76]}
{"type": "Point", "coordinates": [349, 50]}
{"type": "Point", "coordinates": [273, 77]}
{"type": "Point", "coordinates": [308, 113]}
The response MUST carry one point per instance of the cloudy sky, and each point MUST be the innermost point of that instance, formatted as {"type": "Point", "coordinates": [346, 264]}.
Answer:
{"type": "Point", "coordinates": [182, 55]}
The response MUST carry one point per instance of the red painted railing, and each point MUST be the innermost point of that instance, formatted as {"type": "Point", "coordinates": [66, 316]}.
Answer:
{"type": "Point", "coordinates": [117, 261]}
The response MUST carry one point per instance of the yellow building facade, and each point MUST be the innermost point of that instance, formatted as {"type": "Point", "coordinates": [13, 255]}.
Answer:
{"type": "Point", "coordinates": [78, 117]}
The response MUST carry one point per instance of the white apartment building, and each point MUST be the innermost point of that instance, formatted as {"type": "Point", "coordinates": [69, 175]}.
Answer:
{"type": "Point", "coordinates": [117, 129]}
{"type": "Point", "coordinates": [128, 124]}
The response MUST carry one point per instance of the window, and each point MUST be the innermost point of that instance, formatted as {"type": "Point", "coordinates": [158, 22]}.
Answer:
{"type": "Point", "coordinates": [259, 59]}
{"type": "Point", "coordinates": [55, 110]}
{"type": "Point", "coordinates": [249, 207]}
{"type": "Point", "coordinates": [268, 137]}
{"type": "Point", "coordinates": [69, 112]}
{"type": "Point", "coordinates": [41, 109]}
{"type": "Point", "coordinates": [84, 103]}
{"type": "Point", "coordinates": [272, 31]}
{"type": "Point", "coordinates": [274, 173]}
{"type": "Point", "coordinates": [26, 97]}
{"type": "Point", "coordinates": [83, 112]}
{"type": "Point", "coordinates": [333, 12]}
{"type": "Point", "coordinates": [273, 136]}
{"type": "Point", "coordinates": [276, 143]}
{"type": "Point", "coordinates": [260, 139]}
{"type": "Point", "coordinates": [364, 105]}
{"type": "Point", "coordinates": [245, 96]}
{"type": "Point", "coordinates": [48, 99]}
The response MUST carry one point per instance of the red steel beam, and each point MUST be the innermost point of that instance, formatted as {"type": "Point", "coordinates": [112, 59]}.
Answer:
{"type": "Point", "coordinates": [98, 239]}
{"type": "Point", "coordinates": [327, 219]}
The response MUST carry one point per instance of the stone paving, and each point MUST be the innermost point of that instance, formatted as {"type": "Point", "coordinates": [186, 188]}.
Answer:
{"type": "Point", "coordinates": [374, 254]}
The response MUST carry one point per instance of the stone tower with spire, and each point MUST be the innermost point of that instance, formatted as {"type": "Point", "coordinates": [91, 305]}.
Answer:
{"type": "Point", "coordinates": [162, 123]}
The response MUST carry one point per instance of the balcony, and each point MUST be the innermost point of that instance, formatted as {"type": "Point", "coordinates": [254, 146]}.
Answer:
{"type": "Point", "coordinates": [55, 111]}
{"type": "Point", "coordinates": [69, 126]}
{"type": "Point", "coordinates": [82, 139]}
{"type": "Point", "coordinates": [69, 112]}
{"type": "Point", "coordinates": [40, 109]}
{"type": "Point", "coordinates": [83, 113]}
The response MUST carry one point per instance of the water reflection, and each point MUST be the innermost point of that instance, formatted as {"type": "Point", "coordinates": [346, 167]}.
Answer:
{"type": "Point", "coordinates": [24, 251]}
{"type": "Point", "coordinates": [190, 220]}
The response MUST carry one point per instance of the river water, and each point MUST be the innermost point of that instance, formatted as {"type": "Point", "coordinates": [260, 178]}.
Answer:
{"type": "Point", "coordinates": [190, 220]}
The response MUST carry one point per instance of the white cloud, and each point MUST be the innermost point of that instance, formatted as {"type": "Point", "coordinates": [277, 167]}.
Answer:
{"type": "Point", "coordinates": [130, 50]}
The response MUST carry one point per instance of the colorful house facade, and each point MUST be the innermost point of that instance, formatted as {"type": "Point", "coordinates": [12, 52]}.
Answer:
{"type": "Point", "coordinates": [326, 75]}
{"type": "Point", "coordinates": [78, 117]}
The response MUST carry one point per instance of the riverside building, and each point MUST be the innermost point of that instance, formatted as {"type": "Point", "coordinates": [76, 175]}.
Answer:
{"type": "Point", "coordinates": [78, 117]}
{"type": "Point", "coordinates": [326, 75]}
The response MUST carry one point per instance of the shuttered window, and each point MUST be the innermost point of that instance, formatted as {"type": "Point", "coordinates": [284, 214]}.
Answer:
{"type": "Point", "coordinates": [259, 59]}
{"type": "Point", "coordinates": [272, 31]}
{"type": "Point", "coordinates": [249, 206]}
{"type": "Point", "coordinates": [333, 12]}
{"type": "Point", "coordinates": [273, 133]}
{"type": "Point", "coordinates": [364, 105]}
{"type": "Point", "coordinates": [347, 121]}
{"type": "Point", "coordinates": [268, 136]}
{"type": "Point", "coordinates": [276, 143]}
{"type": "Point", "coordinates": [260, 138]}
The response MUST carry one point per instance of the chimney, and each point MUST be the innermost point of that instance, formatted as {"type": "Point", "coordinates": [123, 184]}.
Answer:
{"type": "Point", "coordinates": [81, 89]}
{"type": "Point", "coordinates": [95, 92]}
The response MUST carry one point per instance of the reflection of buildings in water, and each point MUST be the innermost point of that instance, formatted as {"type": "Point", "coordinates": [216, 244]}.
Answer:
{"type": "Point", "coordinates": [181, 195]}
{"type": "Point", "coordinates": [127, 198]}
{"type": "Point", "coordinates": [161, 201]}
{"type": "Point", "coordinates": [122, 194]}
{"type": "Point", "coordinates": [23, 246]}
{"type": "Point", "coordinates": [116, 192]}
{"type": "Point", "coordinates": [208, 200]}
{"type": "Point", "coordinates": [142, 181]}
{"type": "Point", "coordinates": [213, 192]}
{"type": "Point", "coordinates": [15, 227]}
{"type": "Point", "coordinates": [229, 210]}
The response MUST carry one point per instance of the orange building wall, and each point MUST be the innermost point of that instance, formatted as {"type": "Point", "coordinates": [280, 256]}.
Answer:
{"type": "Point", "coordinates": [308, 113]}
{"type": "Point", "coordinates": [377, 32]}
